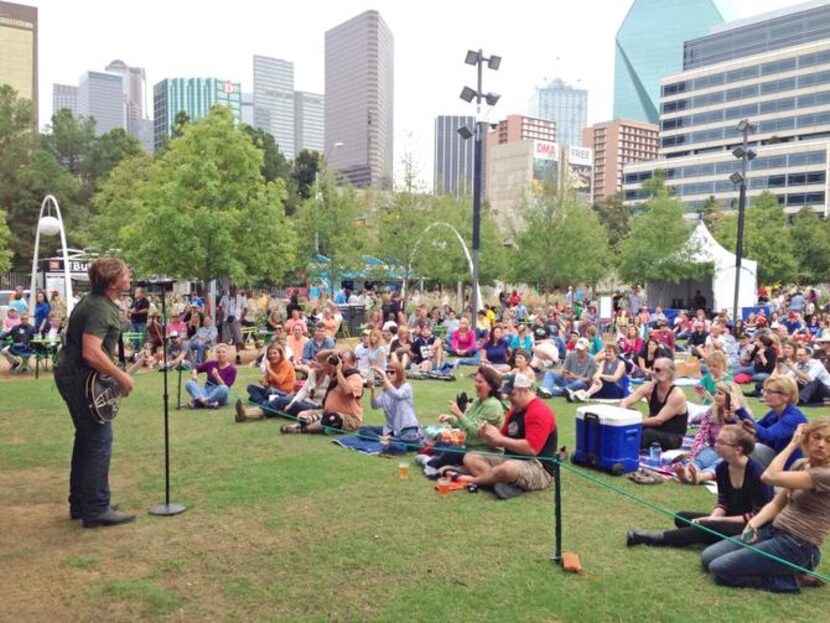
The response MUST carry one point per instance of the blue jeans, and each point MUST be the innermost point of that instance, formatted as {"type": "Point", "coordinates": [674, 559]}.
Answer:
{"type": "Point", "coordinates": [199, 348]}
{"type": "Point", "coordinates": [475, 360]}
{"type": "Point", "coordinates": [733, 565]}
{"type": "Point", "coordinates": [707, 458]}
{"type": "Point", "coordinates": [210, 392]}
{"type": "Point", "coordinates": [261, 395]}
{"type": "Point", "coordinates": [556, 384]}
{"type": "Point", "coordinates": [138, 327]}
{"type": "Point", "coordinates": [89, 490]}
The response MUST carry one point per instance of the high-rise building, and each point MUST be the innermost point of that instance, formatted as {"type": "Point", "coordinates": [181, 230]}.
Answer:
{"type": "Point", "coordinates": [649, 46]}
{"type": "Point", "coordinates": [784, 93]}
{"type": "Point", "coordinates": [194, 97]}
{"type": "Point", "coordinates": [18, 51]}
{"type": "Point", "coordinates": [521, 128]}
{"type": "Point", "coordinates": [359, 97]}
{"type": "Point", "coordinates": [135, 102]}
{"type": "Point", "coordinates": [564, 105]}
{"type": "Point", "coordinates": [616, 143]}
{"type": "Point", "coordinates": [101, 97]}
{"type": "Point", "coordinates": [274, 100]}
{"type": "Point", "coordinates": [65, 96]}
{"type": "Point", "coordinates": [246, 111]}
{"type": "Point", "coordinates": [309, 121]}
{"type": "Point", "coordinates": [453, 156]}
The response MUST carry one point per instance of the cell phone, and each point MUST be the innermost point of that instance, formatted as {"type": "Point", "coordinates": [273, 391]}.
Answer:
{"type": "Point", "coordinates": [748, 535]}
{"type": "Point", "coordinates": [728, 402]}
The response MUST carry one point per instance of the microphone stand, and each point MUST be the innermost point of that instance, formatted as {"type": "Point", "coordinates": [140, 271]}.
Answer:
{"type": "Point", "coordinates": [167, 508]}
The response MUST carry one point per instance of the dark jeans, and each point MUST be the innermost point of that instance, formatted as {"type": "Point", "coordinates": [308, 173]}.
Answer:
{"type": "Point", "coordinates": [89, 490]}
{"type": "Point", "coordinates": [687, 534]}
{"type": "Point", "coordinates": [667, 441]}
{"type": "Point", "coordinates": [260, 395]}
{"type": "Point", "coordinates": [278, 407]}
{"type": "Point", "coordinates": [813, 392]}
{"type": "Point", "coordinates": [733, 565]}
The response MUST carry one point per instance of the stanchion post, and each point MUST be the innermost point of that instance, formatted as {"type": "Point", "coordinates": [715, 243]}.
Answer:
{"type": "Point", "coordinates": [557, 512]}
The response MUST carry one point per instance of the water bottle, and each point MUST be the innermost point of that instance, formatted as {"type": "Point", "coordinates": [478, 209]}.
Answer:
{"type": "Point", "coordinates": [654, 453]}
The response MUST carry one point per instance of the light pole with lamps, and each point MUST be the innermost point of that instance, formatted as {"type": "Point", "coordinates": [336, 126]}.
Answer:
{"type": "Point", "coordinates": [477, 58]}
{"type": "Point", "coordinates": [319, 195]}
{"type": "Point", "coordinates": [744, 154]}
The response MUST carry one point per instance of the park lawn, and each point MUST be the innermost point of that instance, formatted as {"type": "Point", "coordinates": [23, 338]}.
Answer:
{"type": "Point", "coordinates": [294, 528]}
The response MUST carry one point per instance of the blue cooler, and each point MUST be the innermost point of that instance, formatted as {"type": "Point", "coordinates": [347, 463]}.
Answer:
{"type": "Point", "coordinates": [608, 438]}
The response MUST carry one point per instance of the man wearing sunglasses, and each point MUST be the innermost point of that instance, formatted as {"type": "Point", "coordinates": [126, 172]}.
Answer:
{"type": "Point", "coordinates": [667, 411]}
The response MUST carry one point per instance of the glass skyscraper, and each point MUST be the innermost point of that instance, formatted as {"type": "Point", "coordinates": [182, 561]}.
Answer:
{"type": "Point", "coordinates": [564, 105]}
{"type": "Point", "coordinates": [274, 100]}
{"type": "Point", "coordinates": [453, 156]}
{"type": "Point", "coordinates": [194, 96]}
{"type": "Point", "coordinates": [649, 46]}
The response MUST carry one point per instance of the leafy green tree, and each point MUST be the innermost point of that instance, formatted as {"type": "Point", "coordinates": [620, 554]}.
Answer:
{"type": "Point", "coordinates": [274, 164]}
{"type": "Point", "coordinates": [710, 213]}
{"type": "Point", "coordinates": [656, 248]}
{"type": "Point", "coordinates": [70, 140]}
{"type": "Point", "coordinates": [767, 238]}
{"type": "Point", "coordinates": [104, 155]}
{"type": "Point", "coordinates": [615, 215]}
{"type": "Point", "coordinates": [562, 241]}
{"type": "Point", "coordinates": [811, 246]}
{"type": "Point", "coordinates": [205, 210]}
{"type": "Point", "coordinates": [5, 254]}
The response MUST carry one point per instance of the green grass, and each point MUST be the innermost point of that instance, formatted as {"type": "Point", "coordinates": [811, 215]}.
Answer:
{"type": "Point", "coordinates": [294, 528]}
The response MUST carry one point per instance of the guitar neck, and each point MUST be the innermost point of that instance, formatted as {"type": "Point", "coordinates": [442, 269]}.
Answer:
{"type": "Point", "coordinates": [135, 366]}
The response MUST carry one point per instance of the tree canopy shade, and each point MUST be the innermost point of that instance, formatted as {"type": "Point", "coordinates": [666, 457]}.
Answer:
{"type": "Point", "coordinates": [767, 238]}
{"type": "Point", "coordinates": [811, 246]}
{"type": "Point", "coordinates": [616, 217]}
{"type": "Point", "coordinates": [5, 254]}
{"type": "Point", "coordinates": [563, 241]}
{"type": "Point", "coordinates": [656, 249]}
{"type": "Point", "coordinates": [205, 211]}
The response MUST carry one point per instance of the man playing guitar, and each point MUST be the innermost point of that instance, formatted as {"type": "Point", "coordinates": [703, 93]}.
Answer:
{"type": "Point", "coordinates": [91, 340]}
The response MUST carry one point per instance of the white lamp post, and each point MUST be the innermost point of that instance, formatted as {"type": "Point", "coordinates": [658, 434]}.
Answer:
{"type": "Point", "coordinates": [50, 224]}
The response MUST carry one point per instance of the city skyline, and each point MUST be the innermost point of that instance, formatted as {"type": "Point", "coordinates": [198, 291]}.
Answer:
{"type": "Point", "coordinates": [428, 77]}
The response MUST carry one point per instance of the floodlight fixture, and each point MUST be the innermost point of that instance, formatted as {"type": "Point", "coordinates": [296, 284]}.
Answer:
{"type": "Point", "coordinates": [491, 98]}
{"type": "Point", "coordinates": [467, 94]}
{"type": "Point", "coordinates": [750, 155]}
{"type": "Point", "coordinates": [465, 132]}
{"type": "Point", "coordinates": [738, 152]}
{"type": "Point", "coordinates": [471, 58]}
{"type": "Point", "coordinates": [736, 178]}
{"type": "Point", "coordinates": [744, 125]}
{"type": "Point", "coordinates": [493, 62]}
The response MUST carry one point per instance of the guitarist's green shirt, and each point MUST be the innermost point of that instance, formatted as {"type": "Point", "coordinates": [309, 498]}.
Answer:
{"type": "Point", "coordinates": [97, 315]}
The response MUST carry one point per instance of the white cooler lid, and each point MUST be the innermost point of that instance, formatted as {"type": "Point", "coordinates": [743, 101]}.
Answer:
{"type": "Point", "coordinates": [610, 414]}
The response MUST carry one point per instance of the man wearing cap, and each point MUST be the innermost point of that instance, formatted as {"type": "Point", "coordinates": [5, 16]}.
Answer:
{"type": "Point", "coordinates": [811, 376]}
{"type": "Point", "coordinates": [178, 352]}
{"type": "Point", "coordinates": [822, 352]}
{"type": "Point", "coordinates": [527, 435]}
{"type": "Point", "coordinates": [578, 370]}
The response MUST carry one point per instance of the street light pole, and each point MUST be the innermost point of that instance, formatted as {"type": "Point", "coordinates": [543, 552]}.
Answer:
{"type": "Point", "coordinates": [319, 195]}
{"type": "Point", "coordinates": [745, 154]}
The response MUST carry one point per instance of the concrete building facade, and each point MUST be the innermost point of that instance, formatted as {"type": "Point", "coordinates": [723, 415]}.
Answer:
{"type": "Point", "coordinates": [65, 96]}
{"type": "Point", "coordinates": [616, 143]}
{"type": "Point", "coordinates": [274, 100]}
{"type": "Point", "coordinates": [454, 156]}
{"type": "Point", "coordinates": [101, 97]}
{"type": "Point", "coordinates": [309, 121]}
{"type": "Point", "coordinates": [19, 51]}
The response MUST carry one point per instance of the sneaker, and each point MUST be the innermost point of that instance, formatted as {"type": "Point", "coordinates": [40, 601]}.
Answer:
{"type": "Point", "coordinates": [543, 393]}
{"type": "Point", "coordinates": [212, 405]}
{"type": "Point", "coordinates": [240, 411]}
{"type": "Point", "coordinates": [581, 395]}
{"type": "Point", "coordinates": [422, 459]}
{"type": "Point", "coordinates": [291, 428]}
{"type": "Point", "coordinates": [431, 472]}
{"type": "Point", "coordinates": [569, 395]}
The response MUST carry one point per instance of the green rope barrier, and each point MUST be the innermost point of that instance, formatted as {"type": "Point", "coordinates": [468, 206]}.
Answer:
{"type": "Point", "coordinates": [648, 504]}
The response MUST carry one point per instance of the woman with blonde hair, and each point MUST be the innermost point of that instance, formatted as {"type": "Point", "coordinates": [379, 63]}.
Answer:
{"type": "Point", "coordinates": [792, 527]}
{"type": "Point", "coordinates": [717, 372]}
{"type": "Point", "coordinates": [398, 406]}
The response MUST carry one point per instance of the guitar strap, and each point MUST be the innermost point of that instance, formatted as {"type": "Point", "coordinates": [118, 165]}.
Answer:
{"type": "Point", "coordinates": [122, 360]}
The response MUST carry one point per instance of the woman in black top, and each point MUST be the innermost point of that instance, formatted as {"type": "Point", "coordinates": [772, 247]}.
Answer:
{"type": "Point", "coordinates": [741, 495]}
{"type": "Point", "coordinates": [764, 359]}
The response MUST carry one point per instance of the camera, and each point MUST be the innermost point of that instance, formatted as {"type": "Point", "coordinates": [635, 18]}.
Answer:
{"type": "Point", "coordinates": [333, 359]}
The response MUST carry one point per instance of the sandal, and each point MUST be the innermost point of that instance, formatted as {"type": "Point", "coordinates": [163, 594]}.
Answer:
{"type": "Point", "coordinates": [290, 428]}
{"type": "Point", "coordinates": [642, 477]}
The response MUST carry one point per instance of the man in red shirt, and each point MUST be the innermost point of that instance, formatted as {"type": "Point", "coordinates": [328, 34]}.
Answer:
{"type": "Point", "coordinates": [529, 431]}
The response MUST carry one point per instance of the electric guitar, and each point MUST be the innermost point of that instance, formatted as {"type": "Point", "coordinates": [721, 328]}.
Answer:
{"type": "Point", "coordinates": [104, 393]}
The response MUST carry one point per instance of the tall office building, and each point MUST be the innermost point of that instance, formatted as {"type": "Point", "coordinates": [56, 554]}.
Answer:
{"type": "Point", "coordinates": [453, 156]}
{"type": "Point", "coordinates": [193, 96]}
{"type": "Point", "coordinates": [246, 111]}
{"type": "Point", "coordinates": [784, 92]}
{"type": "Point", "coordinates": [359, 97]}
{"type": "Point", "coordinates": [521, 128]}
{"type": "Point", "coordinates": [274, 100]}
{"type": "Point", "coordinates": [309, 121]}
{"type": "Point", "coordinates": [564, 105]}
{"type": "Point", "coordinates": [101, 97]}
{"type": "Point", "coordinates": [135, 102]}
{"type": "Point", "coordinates": [65, 96]}
{"type": "Point", "coordinates": [649, 46]}
{"type": "Point", "coordinates": [18, 51]}
{"type": "Point", "coordinates": [616, 143]}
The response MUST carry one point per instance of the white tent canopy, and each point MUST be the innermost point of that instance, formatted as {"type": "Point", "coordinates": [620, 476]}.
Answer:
{"type": "Point", "coordinates": [719, 288]}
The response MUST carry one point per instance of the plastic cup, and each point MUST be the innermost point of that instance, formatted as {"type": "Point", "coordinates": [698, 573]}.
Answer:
{"type": "Point", "coordinates": [403, 470]}
{"type": "Point", "coordinates": [443, 487]}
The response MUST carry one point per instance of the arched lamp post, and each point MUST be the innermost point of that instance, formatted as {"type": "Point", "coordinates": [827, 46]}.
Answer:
{"type": "Point", "coordinates": [50, 223]}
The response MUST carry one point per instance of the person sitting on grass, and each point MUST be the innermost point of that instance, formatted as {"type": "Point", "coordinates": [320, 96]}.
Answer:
{"type": "Point", "coordinates": [401, 428]}
{"type": "Point", "coordinates": [577, 371]}
{"type": "Point", "coordinates": [463, 340]}
{"type": "Point", "coordinates": [792, 527]}
{"type": "Point", "coordinates": [178, 353]}
{"type": "Point", "coordinates": [811, 376]}
{"type": "Point", "coordinates": [278, 376]}
{"type": "Point", "coordinates": [528, 436]}
{"type": "Point", "coordinates": [341, 408]}
{"type": "Point", "coordinates": [741, 496]}
{"type": "Point", "coordinates": [652, 350]}
{"type": "Point", "coordinates": [484, 408]}
{"type": "Point", "coordinates": [704, 455]}
{"type": "Point", "coordinates": [717, 372]}
{"type": "Point", "coordinates": [428, 350]}
{"type": "Point", "coordinates": [319, 342]}
{"type": "Point", "coordinates": [776, 428]}
{"type": "Point", "coordinates": [667, 413]}
{"type": "Point", "coordinates": [221, 375]}
{"type": "Point", "coordinates": [521, 364]}
{"type": "Point", "coordinates": [609, 380]}
{"type": "Point", "coordinates": [495, 350]}
{"type": "Point", "coordinates": [18, 352]}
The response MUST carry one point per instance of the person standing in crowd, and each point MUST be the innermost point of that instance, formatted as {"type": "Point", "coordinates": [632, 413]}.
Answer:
{"type": "Point", "coordinates": [233, 307]}
{"type": "Point", "coordinates": [91, 340]}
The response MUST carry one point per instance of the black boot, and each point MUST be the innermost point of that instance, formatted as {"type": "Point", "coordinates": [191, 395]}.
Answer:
{"type": "Point", "coordinates": [654, 539]}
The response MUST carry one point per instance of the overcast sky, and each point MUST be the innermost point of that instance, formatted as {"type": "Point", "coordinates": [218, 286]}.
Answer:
{"type": "Point", "coordinates": [538, 41]}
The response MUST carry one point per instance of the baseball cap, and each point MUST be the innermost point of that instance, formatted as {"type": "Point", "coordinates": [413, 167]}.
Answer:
{"type": "Point", "coordinates": [389, 324]}
{"type": "Point", "coordinates": [581, 344]}
{"type": "Point", "coordinates": [173, 334]}
{"type": "Point", "coordinates": [366, 332]}
{"type": "Point", "coordinates": [515, 381]}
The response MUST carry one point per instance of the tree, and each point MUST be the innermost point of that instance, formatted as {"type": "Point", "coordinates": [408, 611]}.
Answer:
{"type": "Point", "coordinates": [811, 246]}
{"type": "Point", "coordinates": [205, 211]}
{"type": "Point", "coordinates": [331, 224]}
{"type": "Point", "coordinates": [274, 164]}
{"type": "Point", "coordinates": [615, 215]}
{"type": "Point", "coordinates": [562, 241]}
{"type": "Point", "coordinates": [656, 247]}
{"type": "Point", "coordinates": [5, 254]}
{"type": "Point", "coordinates": [710, 212]}
{"type": "Point", "coordinates": [104, 155]}
{"type": "Point", "coordinates": [767, 239]}
{"type": "Point", "coordinates": [70, 140]}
